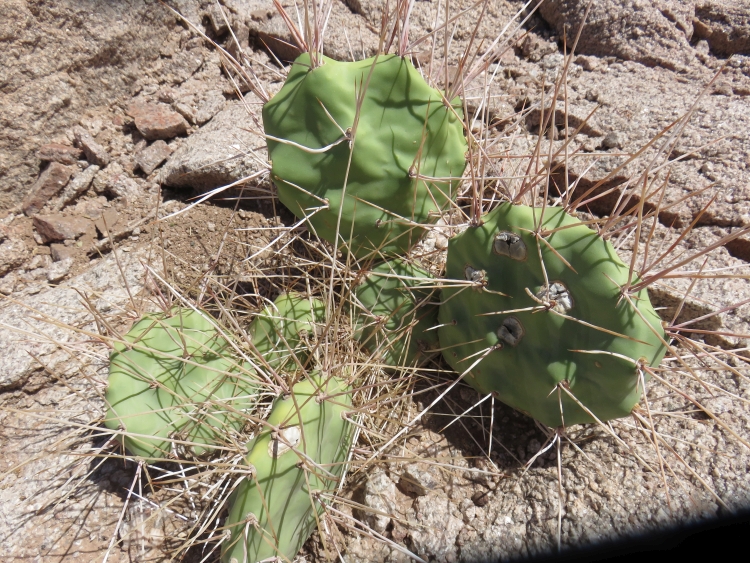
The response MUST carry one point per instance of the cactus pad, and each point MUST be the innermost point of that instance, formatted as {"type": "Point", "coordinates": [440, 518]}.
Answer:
{"type": "Point", "coordinates": [274, 511]}
{"type": "Point", "coordinates": [405, 132]}
{"type": "Point", "coordinates": [395, 313]}
{"type": "Point", "coordinates": [282, 332]}
{"type": "Point", "coordinates": [577, 330]}
{"type": "Point", "coordinates": [176, 378]}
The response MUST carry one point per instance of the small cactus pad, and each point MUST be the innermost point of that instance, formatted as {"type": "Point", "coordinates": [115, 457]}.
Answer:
{"type": "Point", "coordinates": [283, 332]}
{"type": "Point", "coordinates": [394, 313]}
{"type": "Point", "coordinates": [302, 451]}
{"type": "Point", "coordinates": [408, 145]}
{"type": "Point", "coordinates": [530, 333]}
{"type": "Point", "coordinates": [176, 378]}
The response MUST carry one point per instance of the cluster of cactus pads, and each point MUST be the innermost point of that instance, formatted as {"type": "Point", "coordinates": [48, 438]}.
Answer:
{"type": "Point", "coordinates": [532, 308]}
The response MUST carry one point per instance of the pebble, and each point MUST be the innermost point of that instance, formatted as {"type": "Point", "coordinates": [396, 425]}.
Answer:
{"type": "Point", "coordinates": [95, 153]}
{"type": "Point", "coordinates": [55, 152]}
{"type": "Point", "coordinates": [48, 185]}
{"type": "Point", "coordinates": [157, 121]}
{"type": "Point", "coordinates": [53, 228]}
{"type": "Point", "coordinates": [151, 157]}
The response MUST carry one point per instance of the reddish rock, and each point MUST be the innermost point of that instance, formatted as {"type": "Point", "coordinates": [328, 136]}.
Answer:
{"type": "Point", "coordinates": [152, 156]}
{"type": "Point", "coordinates": [55, 152]}
{"type": "Point", "coordinates": [95, 153]}
{"type": "Point", "coordinates": [58, 227]}
{"type": "Point", "coordinates": [157, 121]}
{"type": "Point", "coordinates": [47, 186]}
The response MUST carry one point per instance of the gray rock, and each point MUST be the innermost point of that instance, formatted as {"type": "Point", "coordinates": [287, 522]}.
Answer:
{"type": "Point", "coordinates": [638, 31]}
{"type": "Point", "coordinates": [419, 479]}
{"type": "Point", "coordinates": [58, 270]}
{"type": "Point", "coordinates": [77, 186]}
{"type": "Point", "coordinates": [13, 253]}
{"type": "Point", "coordinates": [56, 227]}
{"type": "Point", "coordinates": [725, 24]}
{"type": "Point", "coordinates": [216, 155]}
{"type": "Point", "coordinates": [380, 497]}
{"type": "Point", "coordinates": [95, 153]}
{"type": "Point", "coordinates": [48, 185]}
{"type": "Point", "coordinates": [151, 157]}
{"type": "Point", "coordinates": [21, 332]}
{"type": "Point", "coordinates": [435, 536]}
{"type": "Point", "coordinates": [60, 252]}
{"type": "Point", "coordinates": [115, 182]}
{"type": "Point", "coordinates": [157, 121]}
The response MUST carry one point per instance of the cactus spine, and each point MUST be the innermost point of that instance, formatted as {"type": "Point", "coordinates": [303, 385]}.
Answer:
{"type": "Point", "coordinates": [302, 451]}
{"type": "Point", "coordinates": [531, 324]}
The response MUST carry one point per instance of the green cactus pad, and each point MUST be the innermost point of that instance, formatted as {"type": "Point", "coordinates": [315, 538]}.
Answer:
{"type": "Point", "coordinates": [282, 332]}
{"type": "Point", "coordinates": [529, 352]}
{"type": "Point", "coordinates": [394, 313]}
{"type": "Point", "coordinates": [404, 127]}
{"type": "Point", "coordinates": [273, 512]}
{"type": "Point", "coordinates": [176, 378]}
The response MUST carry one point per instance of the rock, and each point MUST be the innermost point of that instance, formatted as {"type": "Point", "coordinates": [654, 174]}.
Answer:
{"type": "Point", "coordinates": [613, 140]}
{"type": "Point", "coordinates": [419, 479]}
{"type": "Point", "coordinates": [216, 154]}
{"type": "Point", "coordinates": [58, 270]}
{"type": "Point", "coordinates": [95, 153]}
{"type": "Point", "coordinates": [637, 32]}
{"type": "Point", "coordinates": [437, 530]}
{"type": "Point", "coordinates": [53, 228]}
{"type": "Point", "coordinates": [8, 283]}
{"type": "Point", "coordinates": [106, 223]}
{"type": "Point", "coordinates": [157, 121]}
{"type": "Point", "coordinates": [77, 186]}
{"type": "Point", "coordinates": [48, 185]}
{"type": "Point", "coordinates": [380, 496]}
{"type": "Point", "coordinates": [13, 253]}
{"type": "Point", "coordinates": [725, 24]}
{"type": "Point", "coordinates": [211, 105]}
{"type": "Point", "coordinates": [55, 152]}
{"type": "Point", "coordinates": [61, 252]}
{"type": "Point", "coordinates": [152, 156]}
{"type": "Point", "coordinates": [115, 182]}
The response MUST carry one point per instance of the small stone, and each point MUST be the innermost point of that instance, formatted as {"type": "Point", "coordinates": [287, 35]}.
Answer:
{"type": "Point", "coordinates": [106, 223]}
{"type": "Point", "coordinates": [481, 498]}
{"type": "Point", "coordinates": [12, 254]}
{"type": "Point", "coordinates": [211, 227]}
{"type": "Point", "coordinates": [8, 283]}
{"type": "Point", "coordinates": [185, 111]}
{"type": "Point", "coordinates": [613, 140]}
{"type": "Point", "coordinates": [218, 23]}
{"type": "Point", "coordinates": [58, 270]}
{"type": "Point", "coordinates": [55, 152]}
{"type": "Point", "coordinates": [152, 156]}
{"type": "Point", "coordinates": [77, 186]}
{"type": "Point", "coordinates": [95, 153]}
{"type": "Point", "coordinates": [380, 496]}
{"type": "Point", "coordinates": [116, 182]}
{"type": "Point", "coordinates": [53, 228]}
{"type": "Point", "coordinates": [419, 479]}
{"type": "Point", "coordinates": [47, 186]}
{"type": "Point", "coordinates": [61, 252]}
{"type": "Point", "coordinates": [212, 105]}
{"type": "Point", "coordinates": [157, 121]}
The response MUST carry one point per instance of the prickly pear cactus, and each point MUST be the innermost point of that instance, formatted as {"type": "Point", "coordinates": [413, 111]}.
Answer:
{"type": "Point", "coordinates": [530, 332]}
{"type": "Point", "coordinates": [407, 146]}
{"type": "Point", "coordinates": [301, 451]}
{"type": "Point", "coordinates": [283, 332]}
{"type": "Point", "coordinates": [394, 313]}
{"type": "Point", "coordinates": [176, 378]}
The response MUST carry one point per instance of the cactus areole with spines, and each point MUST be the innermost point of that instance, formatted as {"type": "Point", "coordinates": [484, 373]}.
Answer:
{"type": "Point", "coordinates": [176, 378]}
{"type": "Point", "coordinates": [394, 170]}
{"type": "Point", "coordinates": [301, 451]}
{"type": "Point", "coordinates": [544, 335]}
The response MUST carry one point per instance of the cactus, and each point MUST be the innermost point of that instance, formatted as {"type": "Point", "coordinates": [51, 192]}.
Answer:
{"type": "Point", "coordinates": [529, 328]}
{"type": "Point", "coordinates": [302, 451]}
{"type": "Point", "coordinates": [395, 315]}
{"type": "Point", "coordinates": [282, 332]}
{"type": "Point", "coordinates": [384, 173]}
{"type": "Point", "coordinates": [175, 377]}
